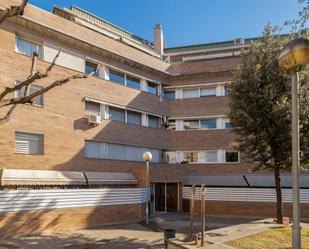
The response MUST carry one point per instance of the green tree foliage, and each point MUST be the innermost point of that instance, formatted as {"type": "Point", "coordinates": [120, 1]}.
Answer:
{"type": "Point", "coordinates": [260, 108]}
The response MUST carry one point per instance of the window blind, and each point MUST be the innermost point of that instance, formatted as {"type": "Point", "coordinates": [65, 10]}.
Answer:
{"type": "Point", "coordinates": [29, 143]}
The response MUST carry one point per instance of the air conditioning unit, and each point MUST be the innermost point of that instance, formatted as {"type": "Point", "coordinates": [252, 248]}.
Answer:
{"type": "Point", "coordinates": [94, 119]}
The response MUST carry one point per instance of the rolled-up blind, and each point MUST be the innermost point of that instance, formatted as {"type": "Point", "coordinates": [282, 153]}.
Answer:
{"type": "Point", "coordinates": [66, 57]}
{"type": "Point", "coordinates": [29, 143]}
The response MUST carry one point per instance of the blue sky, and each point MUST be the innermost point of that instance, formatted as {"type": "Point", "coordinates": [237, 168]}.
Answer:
{"type": "Point", "coordinates": [187, 22]}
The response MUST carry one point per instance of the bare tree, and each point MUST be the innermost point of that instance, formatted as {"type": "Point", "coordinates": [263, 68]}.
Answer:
{"type": "Point", "coordinates": [13, 11]}
{"type": "Point", "coordinates": [25, 97]}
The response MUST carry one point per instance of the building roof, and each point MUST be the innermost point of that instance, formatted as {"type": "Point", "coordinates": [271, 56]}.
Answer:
{"type": "Point", "coordinates": [101, 21]}
{"type": "Point", "coordinates": [211, 45]}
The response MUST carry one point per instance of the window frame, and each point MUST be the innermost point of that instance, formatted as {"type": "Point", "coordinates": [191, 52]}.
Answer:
{"type": "Point", "coordinates": [41, 135]}
{"type": "Point", "coordinates": [96, 73]}
{"type": "Point", "coordinates": [140, 117]}
{"type": "Point", "coordinates": [38, 44]}
{"type": "Point", "coordinates": [156, 87]}
{"type": "Point", "coordinates": [170, 91]}
{"type": "Point", "coordinates": [110, 115]}
{"type": "Point", "coordinates": [158, 121]}
{"type": "Point", "coordinates": [207, 128]}
{"type": "Point", "coordinates": [32, 84]}
{"type": "Point", "coordinates": [117, 72]}
{"type": "Point", "coordinates": [191, 129]}
{"type": "Point", "coordinates": [231, 151]}
{"type": "Point", "coordinates": [133, 77]}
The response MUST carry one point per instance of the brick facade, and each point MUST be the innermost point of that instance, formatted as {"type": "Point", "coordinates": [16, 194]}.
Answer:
{"type": "Point", "coordinates": [64, 123]}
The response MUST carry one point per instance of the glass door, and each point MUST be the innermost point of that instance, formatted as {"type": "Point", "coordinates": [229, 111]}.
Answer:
{"type": "Point", "coordinates": [166, 197]}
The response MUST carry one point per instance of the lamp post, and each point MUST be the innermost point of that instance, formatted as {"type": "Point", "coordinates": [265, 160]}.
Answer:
{"type": "Point", "coordinates": [293, 55]}
{"type": "Point", "coordinates": [147, 156]}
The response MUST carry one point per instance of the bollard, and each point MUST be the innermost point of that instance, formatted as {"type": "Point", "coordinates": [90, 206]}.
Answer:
{"type": "Point", "coordinates": [168, 234]}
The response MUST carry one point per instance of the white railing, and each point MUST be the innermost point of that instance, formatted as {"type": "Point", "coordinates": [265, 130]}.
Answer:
{"type": "Point", "coordinates": [245, 194]}
{"type": "Point", "coordinates": [20, 200]}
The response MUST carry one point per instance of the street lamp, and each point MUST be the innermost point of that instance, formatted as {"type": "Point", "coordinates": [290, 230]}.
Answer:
{"type": "Point", "coordinates": [292, 56]}
{"type": "Point", "coordinates": [147, 156]}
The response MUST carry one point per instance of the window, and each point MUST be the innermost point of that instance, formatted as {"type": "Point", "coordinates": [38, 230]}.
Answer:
{"type": "Point", "coordinates": [38, 100]}
{"type": "Point", "coordinates": [206, 92]}
{"type": "Point", "coordinates": [92, 108]}
{"type": "Point", "coordinates": [190, 156]}
{"type": "Point", "coordinates": [117, 114]}
{"type": "Point", "coordinates": [169, 94]}
{"type": "Point", "coordinates": [133, 82]}
{"type": "Point", "coordinates": [100, 150]}
{"type": "Point", "coordinates": [209, 124]}
{"type": "Point", "coordinates": [211, 156]}
{"type": "Point", "coordinates": [92, 67]}
{"type": "Point", "coordinates": [191, 124]}
{"type": "Point", "coordinates": [152, 88]}
{"type": "Point", "coordinates": [226, 90]}
{"type": "Point", "coordinates": [171, 125]}
{"type": "Point", "coordinates": [134, 118]}
{"type": "Point", "coordinates": [153, 121]}
{"type": "Point", "coordinates": [227, 125]}
{"type": "Point", "coordinates": [190, 93]}
{"type": "Point", "coordinates": [170, 156]}
{"type": "Point", "coordinates": [29, 143]}
{"type": "Point", "coordinates": [28, 48]}
{"type": "Point", "coordinates": [117, 77]}
{"type": "Point", "coordinates": [231, 156]}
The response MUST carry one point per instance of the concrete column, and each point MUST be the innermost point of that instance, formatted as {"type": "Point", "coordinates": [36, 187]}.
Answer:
{"type": "Point", "coordinates": [144, 119]}
{"type": "Point", "coordinates": [144, 85]}
{"type": "Point", "coordinates": [178, 94]}
{"type": "Point", "coordinates": [104, 72]}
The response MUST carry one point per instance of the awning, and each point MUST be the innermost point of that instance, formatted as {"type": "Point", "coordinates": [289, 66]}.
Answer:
{"type": "Point", "coordinates": [41, 177]}
{"type": "Point", "coordinates": [110, 178]}
{"type": "Point", "coordinates": [245, 180]}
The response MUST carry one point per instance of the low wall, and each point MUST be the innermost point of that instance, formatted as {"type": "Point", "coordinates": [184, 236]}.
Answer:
{"type": "Point", "coordinates": [245, 202]}
{"type": "Point", "coordinates": [245, 209]}
{"type": "Point", "coordinates": [36, 211]}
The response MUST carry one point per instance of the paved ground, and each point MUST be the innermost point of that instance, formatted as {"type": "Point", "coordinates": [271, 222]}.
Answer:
{"type": "Point", "coordinates": [138, 236]}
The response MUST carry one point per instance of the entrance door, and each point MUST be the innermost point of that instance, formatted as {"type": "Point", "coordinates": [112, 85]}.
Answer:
{"type": "Point", "coordinates": [166, 197]}
{"type": "Point", "coordinates": [171, 197]}
{"type": "Point", "coordinates": [159, 197]}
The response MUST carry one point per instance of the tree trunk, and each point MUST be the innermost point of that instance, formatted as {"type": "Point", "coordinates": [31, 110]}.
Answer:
{"type": "Point", "coordinates": [278, 195]}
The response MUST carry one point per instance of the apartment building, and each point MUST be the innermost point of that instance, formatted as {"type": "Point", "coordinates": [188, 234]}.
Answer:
{"type": "Point", "coordinates": [75, 155]}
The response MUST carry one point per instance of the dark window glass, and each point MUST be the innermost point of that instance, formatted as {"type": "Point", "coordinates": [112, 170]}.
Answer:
{"type": "Point", "coordinates": [133, 82]}
{"type": "Point", "coordinates": [227, 125]}
{"type": "Point", "coordinates": [226, 92]}
{"type": "Point", "coordinates": [209, 124]}
{"type": "Point", "coordinates": [152, 88]}
{"type": "Point", "coordinates": [91, 67]}
{"type": "Point", "coordinates": [153, 121]}
{"type": "Point", "coordinates": [171, 125]}
{"type": "Point", "coordinates": [116, 77]}
{"type": "Point", "coordinates": [134, 118]}
{"type": "Point", "coordinates": [231, 157]}
{"type": "Point", "coordinates": [169, 94]}
{"type": "Point", "coordinates": [117, 114]}
{"type": "Point", "coordinates": [191, 124]}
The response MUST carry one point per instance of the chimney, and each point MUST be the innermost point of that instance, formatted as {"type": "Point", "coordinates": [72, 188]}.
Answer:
{"type": "Point", "coordinates": [158, 39]}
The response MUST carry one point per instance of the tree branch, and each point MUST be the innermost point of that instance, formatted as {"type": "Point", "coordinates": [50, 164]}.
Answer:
{"type": "Point", "coordinates": [31, 78]}
{"type": "Point", "coordinates": [13, 11]}
{"type": "Point", "coordinates": [8, 115]}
